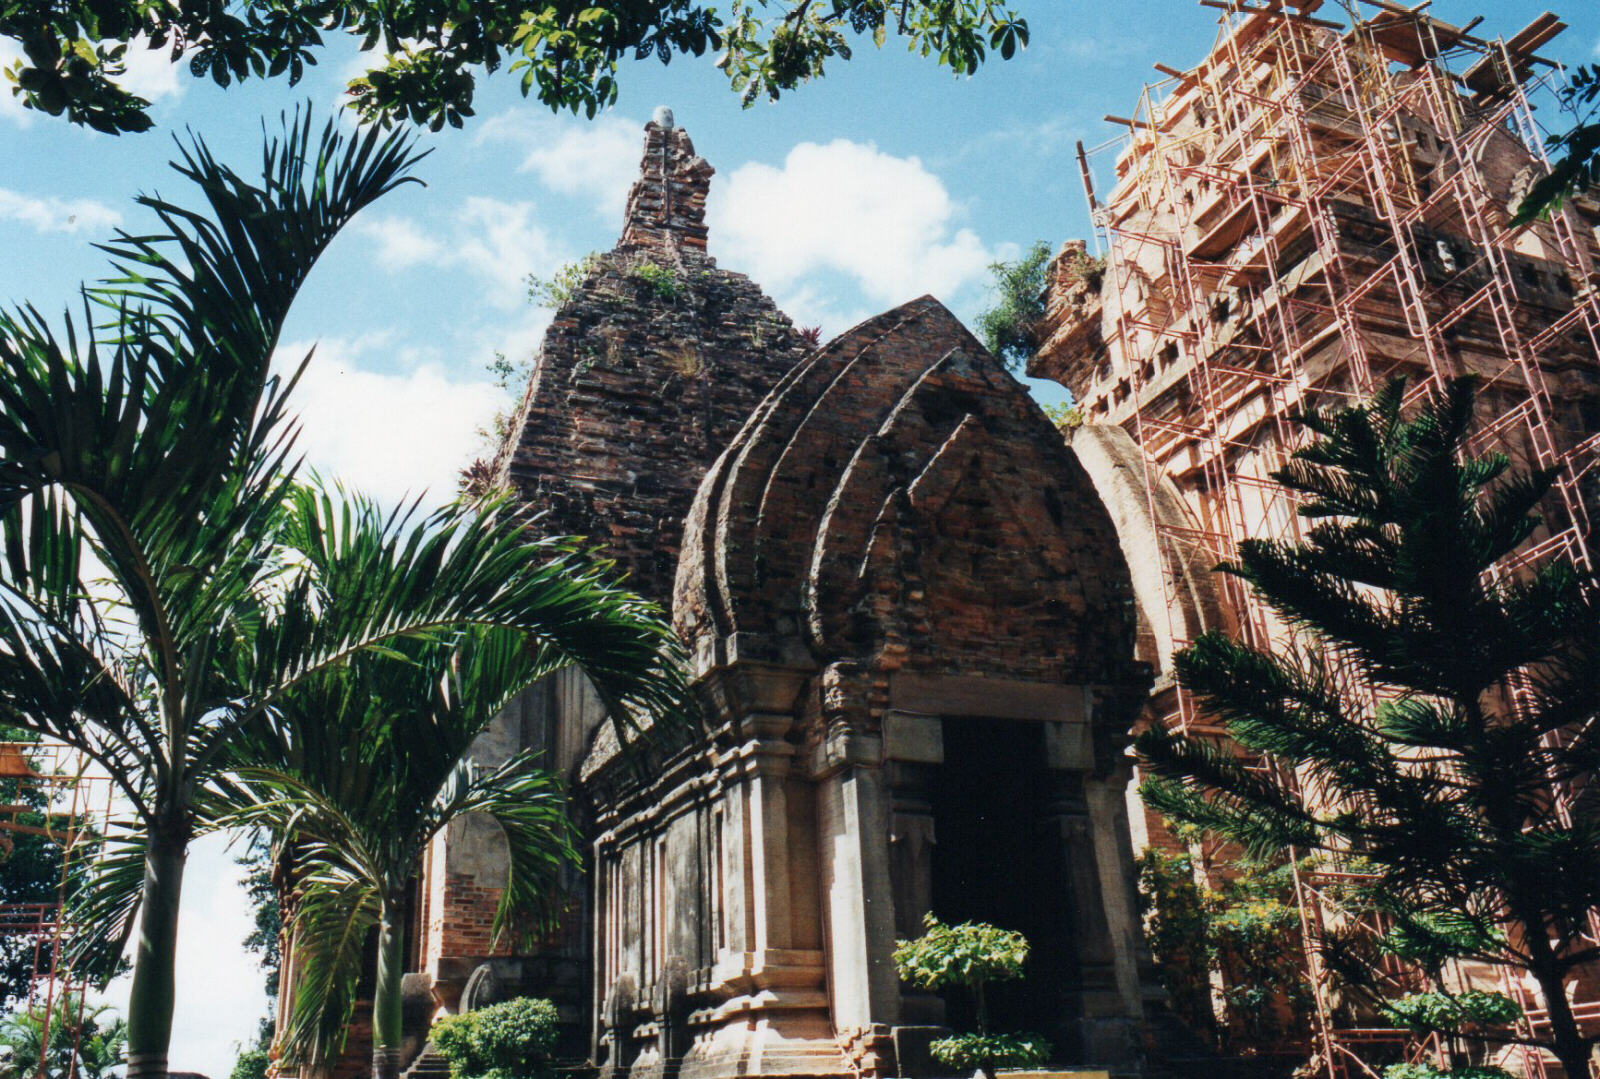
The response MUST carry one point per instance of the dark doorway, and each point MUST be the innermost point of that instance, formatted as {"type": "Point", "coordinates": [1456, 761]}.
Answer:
{"type": "Point", "coordinates": [999, 859]}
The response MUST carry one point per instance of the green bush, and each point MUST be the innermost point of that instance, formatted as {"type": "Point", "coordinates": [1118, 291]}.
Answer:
{"type": "Point", "coordinates": [969, 954]}
{"type": "Point", "coordinates": [1010, 327]}
{"type": "Point", "coordinates": [1064, 416]}
{"type": "Point", "coordinates": [1428, 1071]}
{"type": "Point", "coordinates": [511, 1040]}
{"type": "Point", "coordinates": [986, 1052]}
{"type": "Point", "coordinates": [1424, 1013]}
{"type": "Point", "coordinates": [553, 291]}
{"type": "Point", "coordinates": [662, 281]}
{"type": "Point", "coordinates": [252, 1064]}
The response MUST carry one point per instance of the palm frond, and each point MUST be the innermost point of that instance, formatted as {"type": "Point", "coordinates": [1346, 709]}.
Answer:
{"type": "Point", "coordinates": [334, 915]}
{"type": "Point", "coordinates": [530, 807]}
{"type": "Point", "coordinates": [373, 577]}
{"type": "Point", "coordinates": [102, 906]}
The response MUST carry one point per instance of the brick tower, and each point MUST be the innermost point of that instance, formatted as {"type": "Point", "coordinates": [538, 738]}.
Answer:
{"type": "Point", "coordinates": [646, 373]}
{"type": "Point", "coordinates": [648, 370]}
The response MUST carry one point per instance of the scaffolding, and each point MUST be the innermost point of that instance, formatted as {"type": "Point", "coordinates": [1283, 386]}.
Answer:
{"type": "Point", "coordinates": [1318, 206]}
{"type": "Point", "coordinates": [52, 795]}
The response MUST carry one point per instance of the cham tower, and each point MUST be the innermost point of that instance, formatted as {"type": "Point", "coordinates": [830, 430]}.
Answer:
{"type": "Point", "coordinates": [1317, 206]}
{"type": "Point", "coordinates": [648, 369]}
{"type": "Point", "coordinates": [911, 631]}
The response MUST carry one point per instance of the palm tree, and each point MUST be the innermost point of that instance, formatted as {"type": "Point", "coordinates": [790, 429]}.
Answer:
{"type": "Point", "coordinates": [149, 444]}
{"type": "Point", "coordinates": [65, 1039]}
{"type": "Point", "coordinates": [358, 773]}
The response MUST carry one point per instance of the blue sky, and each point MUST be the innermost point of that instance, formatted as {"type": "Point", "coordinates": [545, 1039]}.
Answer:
{"type": "Point", "coordinates": [886, 180]}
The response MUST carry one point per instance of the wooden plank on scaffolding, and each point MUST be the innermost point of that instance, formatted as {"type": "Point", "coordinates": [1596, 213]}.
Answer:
{"type": "Point", "coordinates": [1487, 76]}
{"type": "Point", "coordinates": [1412, 39]}
{"type": "Point", "coordinates": [1535, 34]}
{"type": "Point", "coordinates": [1235, 8]}
{"type": "Point", "coordinates": [1225, 234]}
{"type": "Point", "coordinates": [14, 761]}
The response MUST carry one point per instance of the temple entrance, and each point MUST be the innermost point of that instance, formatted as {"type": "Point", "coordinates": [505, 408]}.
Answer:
{"type": "Point", "coordinates": [999, 858]}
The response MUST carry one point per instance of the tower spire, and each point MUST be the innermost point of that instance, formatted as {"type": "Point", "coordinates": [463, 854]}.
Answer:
{"type": "Point", "coordinates": [667, 203]}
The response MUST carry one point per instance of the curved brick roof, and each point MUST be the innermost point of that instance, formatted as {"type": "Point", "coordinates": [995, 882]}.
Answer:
{"type": "Point", "coordinates": [899, 499]}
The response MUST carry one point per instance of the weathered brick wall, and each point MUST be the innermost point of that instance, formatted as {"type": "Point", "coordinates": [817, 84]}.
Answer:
{"type": "Point", "coordinates": [465, 921]}
{"type": "Point", "coordinates": [646, 372]}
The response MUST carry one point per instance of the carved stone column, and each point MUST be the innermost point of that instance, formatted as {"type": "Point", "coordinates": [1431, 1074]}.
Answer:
{"type": "Point", "coordinates": [854, 811]}
{"type": "Point", "coordinates": [768, 1007]}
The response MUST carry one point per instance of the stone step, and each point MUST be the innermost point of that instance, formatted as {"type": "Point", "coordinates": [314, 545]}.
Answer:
{"type": "Point", "coordinates": [428, 1065]}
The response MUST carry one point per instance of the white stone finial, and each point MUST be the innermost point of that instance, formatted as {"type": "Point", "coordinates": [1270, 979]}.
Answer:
{"type": "Point", "coordinates": [662, 117]}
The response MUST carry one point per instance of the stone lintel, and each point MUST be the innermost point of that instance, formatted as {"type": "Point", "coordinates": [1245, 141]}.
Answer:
{"type": "Point", "coordinates": [1069, 746]}
{"type": "Point", "coordinates": [916, 739]}
{"type": "Point", "coordinates": [996, 698]}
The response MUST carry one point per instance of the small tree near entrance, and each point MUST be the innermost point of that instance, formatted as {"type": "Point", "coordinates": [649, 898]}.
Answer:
{"type": "Point", "coordinates": [970, 956]}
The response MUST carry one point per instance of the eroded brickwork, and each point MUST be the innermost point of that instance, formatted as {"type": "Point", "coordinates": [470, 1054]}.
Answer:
{"type": "Point", "coordinates": [465, 925]}
{"type": "Point", "coordinates": [646, 373]}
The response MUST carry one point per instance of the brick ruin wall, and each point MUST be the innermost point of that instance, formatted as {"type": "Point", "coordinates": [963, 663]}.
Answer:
{"type": "Point", "coordinates": [648, 370]}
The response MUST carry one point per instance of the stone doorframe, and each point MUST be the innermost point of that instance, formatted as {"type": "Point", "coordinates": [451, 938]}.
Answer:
{"type": "Point", "coordinates": [876, 833]}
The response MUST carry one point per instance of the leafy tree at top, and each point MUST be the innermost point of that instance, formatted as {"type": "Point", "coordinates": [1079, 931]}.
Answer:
{"type": "Point", "coordinates": [565, 52]}
{"type": "Point", "coordinates": [1578, 165]}
{"type": "Point", "coordinates": [1010, 327]}
{"type": "Point", "coordinates": [1441, 789]}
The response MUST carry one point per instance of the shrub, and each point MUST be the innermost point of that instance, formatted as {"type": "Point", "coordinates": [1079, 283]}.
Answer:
{"type": "Point", "coordinates": [1064, 416]}
{"type": "Point", "coordinates": [1426, 1012]}
{"type": "Point", "coordinates": [1010, 327]}
{"type": "Point", "coordinates": [661, 280]}
{"type": "Point", "coordinates": [553, 291]}
{"type": "Point", "coordinates": [252, 1064]}
{"type": "Point", "coordinates": [1429, 1071]}
{"type": "Point", "coordinates": [511, 1040]}
{"type": "Point", "coordinates": [986, 1052]}
{"type": "Point", "coordinates": [971, 955]}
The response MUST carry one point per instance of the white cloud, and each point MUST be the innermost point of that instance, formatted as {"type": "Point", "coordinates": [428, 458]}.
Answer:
{"type": "Point", "coordinates": [150, 73]}
{"type": "Point", "coordinates": [499, 242]}
{"type": "Point", "coordinates": [52, 214]}
{"type": "Point", "coordinates": [391, 436]}
{"type": "Point", "coordinates": [518, 341]}
{"type": "Point", "coordinates": [809, 307]}
{"type": "Point", "coordinates": [401, 241]}
{"type": "Point", "coordinates": [598, 158]}
{"type": "Point", "coordinates": [848, 208]}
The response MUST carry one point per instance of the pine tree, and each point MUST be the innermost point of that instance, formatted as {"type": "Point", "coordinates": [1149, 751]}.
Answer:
{"type": "Point", "coordinates": [1487, 685]}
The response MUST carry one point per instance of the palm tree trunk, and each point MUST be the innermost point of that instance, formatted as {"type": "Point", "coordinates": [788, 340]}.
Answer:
{"type": "Point", "coordinates": [154, 964]}
{"type": "Point", "coordinates": [386, 997]}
